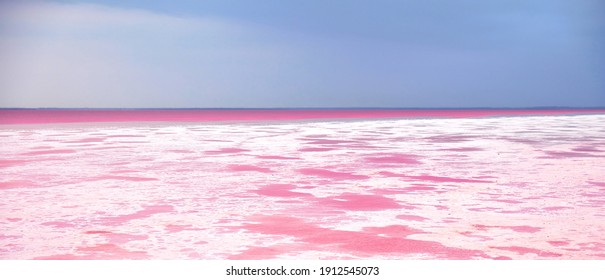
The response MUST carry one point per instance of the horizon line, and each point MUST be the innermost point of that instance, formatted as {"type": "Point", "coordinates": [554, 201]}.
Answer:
{"type": "Point", "coordinates": [310, 108]}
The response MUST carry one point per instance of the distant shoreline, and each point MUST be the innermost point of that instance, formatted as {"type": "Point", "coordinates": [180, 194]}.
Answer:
{"type": "Point", "coordinates": [309, 108]}
{"type": "Point", "coordinates": [49, 116]}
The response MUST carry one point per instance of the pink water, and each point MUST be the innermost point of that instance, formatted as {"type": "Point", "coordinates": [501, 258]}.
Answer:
{"type": "Point", "coordinates": [109, 115]}
{"type": "Point", "coordinates": [344, 184]}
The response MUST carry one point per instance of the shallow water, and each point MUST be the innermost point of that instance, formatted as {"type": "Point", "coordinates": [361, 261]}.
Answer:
{"type": "Point", "coordinates": [524, 187]}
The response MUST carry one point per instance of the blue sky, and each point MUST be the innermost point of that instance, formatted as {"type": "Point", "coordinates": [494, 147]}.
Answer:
{"type": "Point", "coordinates": [302, 53]}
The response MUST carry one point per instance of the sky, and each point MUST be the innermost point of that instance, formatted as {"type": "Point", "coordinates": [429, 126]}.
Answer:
{"type": "Point", "coordinates": [302, 54]}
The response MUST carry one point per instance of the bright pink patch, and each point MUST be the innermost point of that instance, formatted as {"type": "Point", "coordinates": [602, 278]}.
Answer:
{"type": "Point", "coordinates": [331, 174]}
{"type": "Point", "coordinates": [593, 246]}
{"type": "Point", "coordinates": [316, 149]}
{"type": "Point", "coordinates": [64, 257]}
{"type": "Point", "coordinates": [277, 157]}
{"type": "Point", "coordinates": [97, 232]}
{"type": "Point", "coordinates": [127, 178]}
{"type": "Point", "coordinates": [359, 242]}
{"type": "Point", "coordinates": [109, 252]}
{"type": "Point", "coordinates": [419, 189]}
{"type": "Point", "coordinates": [16, 184]}
{"type": "Point", "coordinates": [411, 218]}
{"type": "Point", "coordinates": [528, 229]}
{"type": "Point", "coordinates": [4, 236]}
{"type": "Point", "coordinates": [394, 159]}
{"type": "Point", "coordinates": [600, 184]}
{"type": "Point", "coordinates": [464, 149]}
{"type": "Point", "coordinates": [227, 151]}
{"type": "Point", "coordinates": [178, 228]}
{"type": "Point", "coordinates": [555, 208]}
{"type": "Point", "coordinates": [328, 141]}
{"type": "Point", "coordinates": [147, 212]}
{"type": "Point", "coordinates": [563, 154]}
{"type": "Point", "coordinates": [59, 224]}
{"type": "Point", "coordinates": [7, 162]}
{"type": "Point", "coordinates": [360, 202]}
{"type": "Point", "coordinates": [86, 140]}
{"type": "Point", "coordinates": [524, 250]}
{"type": "Point", "coordinates": [509, 201]}
{"type": "Point", "coordinates": [441, 207]}
{"type": "Point", "coordinates": [125, 136]}
{"type": "Point", "coordinates": [391, 174]}
{"type": "Point", "coordinates": [263, 253]}
{"type": "Point", "coordinates": [180, 151]}
{"type": "Point", "coordinates": [280, 190]}
{"type": "Point", "coordinates": [393, 230]}
{"type": "Point", "coordinates": [486, 209]}
{"type": "Point", "coordinates": [587, 149]}
{"type": "Point", "coordinates": [454, 138]}
{"type": "Point", "coordinates": [558, 243]}
{"type": "Point", "coordinates": [244, 167]}
{"type": "Point", "coordinates": [404, 190]}
{"type": "Point", "coordinates": [117, 238]}
{"type": "Point", "coordinates": [49, 152]}
{"type": "Point", "coordinates": [440, 179]}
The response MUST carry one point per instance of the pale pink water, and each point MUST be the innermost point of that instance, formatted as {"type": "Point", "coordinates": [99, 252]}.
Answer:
{"type": "Point", "coordinates": [112, 115]}
{"type": "Point", "coordinates": [344, 184]}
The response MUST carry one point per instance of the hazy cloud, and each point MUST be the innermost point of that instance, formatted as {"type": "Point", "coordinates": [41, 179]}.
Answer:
{"type": "Point", "coordinates": [94, 56]}
{"type": "Point", "coordinates": [416, 54]}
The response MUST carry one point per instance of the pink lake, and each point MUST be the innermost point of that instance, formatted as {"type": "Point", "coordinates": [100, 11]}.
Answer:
{"type": "Point", "coordinates": [302, 184]}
